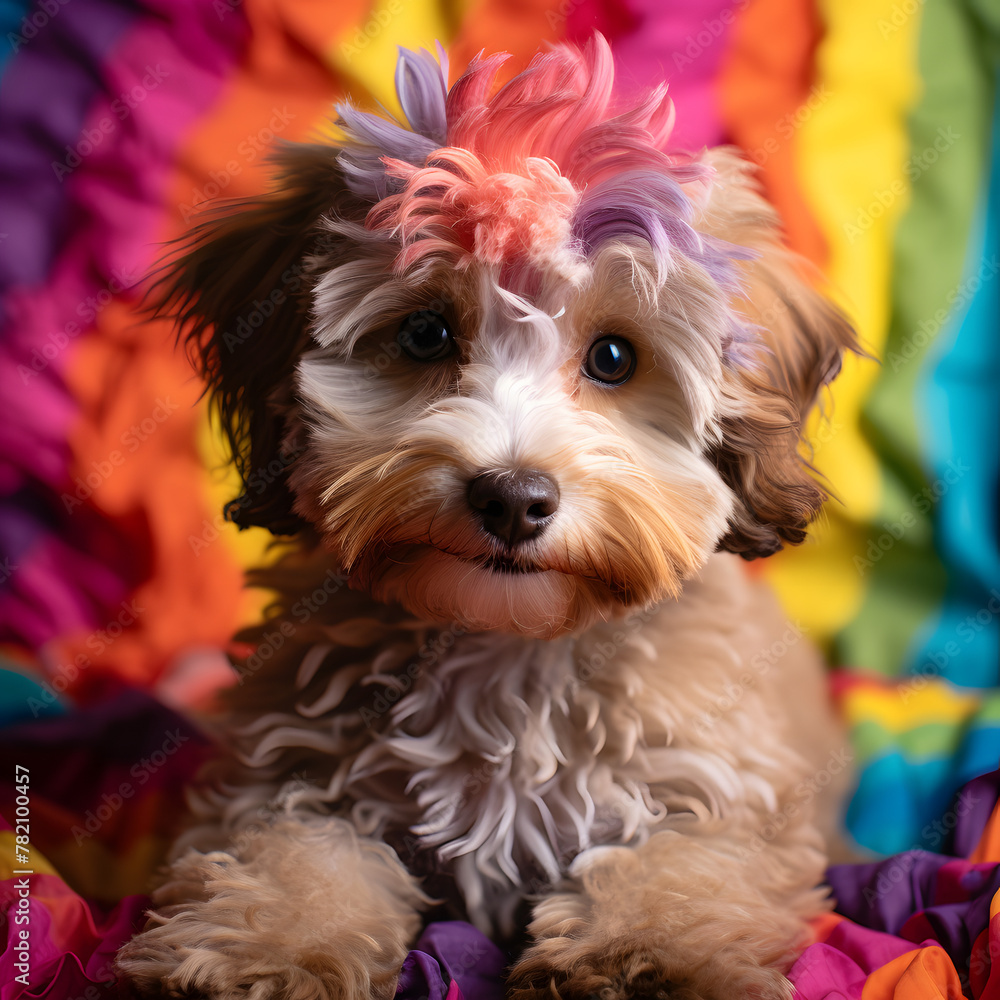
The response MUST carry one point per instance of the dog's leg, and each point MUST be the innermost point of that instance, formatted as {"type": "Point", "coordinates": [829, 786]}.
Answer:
{"type": "Point", "coordinates": [302, 909]}
{"type": "Point", "coordinates": [716, 916]}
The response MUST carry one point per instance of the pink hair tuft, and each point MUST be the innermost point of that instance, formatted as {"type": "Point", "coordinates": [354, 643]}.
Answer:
{"type": "Point", "coordinates": [551, 163]}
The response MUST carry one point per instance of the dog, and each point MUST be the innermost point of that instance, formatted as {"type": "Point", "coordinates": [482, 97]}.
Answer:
{"type": "Point", "coordinates": [521, 385]}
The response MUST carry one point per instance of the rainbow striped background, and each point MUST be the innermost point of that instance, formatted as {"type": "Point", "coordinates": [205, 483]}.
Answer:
{"type": "Point", "coordinates": [875, 125]}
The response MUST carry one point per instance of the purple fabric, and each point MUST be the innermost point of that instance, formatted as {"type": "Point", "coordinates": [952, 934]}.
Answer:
{"type": "Point", "coordinates": [918, 896]}
{"type": "Point", "coordinates": [972, 807]}
{"type": "Point", "coordinates": [961, 909]}
{"type": "Point", "coordinates": [883, 894]}
{"type": "Point", "coordinates": [421, 977]}
{"type": "Point", "coordinates": [44, 101]}
{"type": "Point", "coordinates": [452, 952]}
{"type": "Point", "coordinates": [126, 737]}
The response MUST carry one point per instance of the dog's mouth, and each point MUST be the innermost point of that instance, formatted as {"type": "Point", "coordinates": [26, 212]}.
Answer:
{"type": "Point", "coordinates": [502, 563]}
{"type": "Point", "coordinates": [506, 565]}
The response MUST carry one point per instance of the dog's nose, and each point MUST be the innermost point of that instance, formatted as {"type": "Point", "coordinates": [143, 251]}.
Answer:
{"type": "Point", "coordinates": [514, 506]}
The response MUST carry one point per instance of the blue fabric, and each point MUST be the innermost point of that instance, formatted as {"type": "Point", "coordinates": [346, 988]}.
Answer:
{"type": "Point", "coordinates": [23, 699]}
{"type": "Point", "coordinates": [961, 421]}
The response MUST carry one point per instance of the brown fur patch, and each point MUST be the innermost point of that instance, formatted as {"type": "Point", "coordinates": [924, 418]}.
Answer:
{"type": "Point", "coordinates": [760, 456]}
{"type": "Point", "coordinates": [235, 287]}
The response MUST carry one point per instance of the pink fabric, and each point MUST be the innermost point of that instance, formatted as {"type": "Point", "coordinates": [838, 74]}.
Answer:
{"type": "Point", "coordinates": [681, 43]}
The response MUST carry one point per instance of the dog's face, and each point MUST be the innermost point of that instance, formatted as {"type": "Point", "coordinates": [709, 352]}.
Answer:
{"type": "Point", "coordinates": [538, 371]}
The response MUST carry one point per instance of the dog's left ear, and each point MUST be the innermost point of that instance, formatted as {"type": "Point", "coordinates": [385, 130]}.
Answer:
{"type": "Point", "coordinates": [237, 290]}
{"type": "Point", "coordinates": [769, 398]}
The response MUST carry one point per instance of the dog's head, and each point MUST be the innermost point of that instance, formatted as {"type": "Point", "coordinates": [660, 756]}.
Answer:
{"type": "Point", "coordinates": [517, 365]}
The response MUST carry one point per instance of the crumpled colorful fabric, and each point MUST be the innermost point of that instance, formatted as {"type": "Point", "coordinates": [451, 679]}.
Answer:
{"type": "Point", "coordinates": [875, 130]}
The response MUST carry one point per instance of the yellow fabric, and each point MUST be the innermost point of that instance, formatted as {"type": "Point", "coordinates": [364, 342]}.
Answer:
{"type": "Point", "coordinates": [368, 60]}
{"type": "Point", "coordinates": [852, 148]}
{"type": "Point", "coordinates": [904, 709]}
{"type": "Point", "coordinates": [37, 862]}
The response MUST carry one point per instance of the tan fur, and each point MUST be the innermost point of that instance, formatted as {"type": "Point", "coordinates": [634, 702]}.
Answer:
{"type": "Point", "coordinates": [307, 911]}
{"type": "Point", "coordinates": [680, 915]}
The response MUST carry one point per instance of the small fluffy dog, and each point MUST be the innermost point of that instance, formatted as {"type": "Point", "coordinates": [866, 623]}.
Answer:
{"type": "Point", "coordinates": [521, 381]}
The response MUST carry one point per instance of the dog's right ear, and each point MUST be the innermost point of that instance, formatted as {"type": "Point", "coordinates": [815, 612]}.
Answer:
{"type": "Point", "coordinates": [237, 290]}
{"type": "Point", "coordinates": [802, 338]}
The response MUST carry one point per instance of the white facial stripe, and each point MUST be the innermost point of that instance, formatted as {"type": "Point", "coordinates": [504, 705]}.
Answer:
{"type": "Point", "coordinates": [514, 335]}
{"type": "Point", "coordinates": [343, 301]}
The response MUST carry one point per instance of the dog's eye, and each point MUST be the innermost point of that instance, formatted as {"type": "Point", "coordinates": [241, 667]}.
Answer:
{"type": "Point", "coordinates": [425, 336]}
{"type": "Point", "coordinates": [611, 360]}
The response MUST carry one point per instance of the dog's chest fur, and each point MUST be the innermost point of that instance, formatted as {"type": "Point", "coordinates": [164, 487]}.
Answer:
{"type": "Point", "coordinates": [502, 758]}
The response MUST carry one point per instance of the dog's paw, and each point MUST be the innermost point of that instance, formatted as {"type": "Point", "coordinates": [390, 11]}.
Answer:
{"type": "Point", "coordinates": [167, 961]}
{"type": "Point", "coordinates": [535, 979]}
{"type": "Point", "coordinates": [676, 918]}
{"type": "Point", "coordinates": [555, 970]}
{"type": "Point", "coordinates": [311, 912]}
{"type": "Point", "coordinates": [194, 953]}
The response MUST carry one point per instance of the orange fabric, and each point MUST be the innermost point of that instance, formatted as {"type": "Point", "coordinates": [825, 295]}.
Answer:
{"type": "Point", "coordinates": [189, 598]}
{"type": "Point", "coordinates": [823, 926]}
{"type": "Point", "coordinates": [988, 847]}
{"type": "Point", "coordinates": [143, 433]}
{"type": "Point", "coordinates": [923, 974]}
{"type": "Point", "coordinates": [763, 91]}
{"type": "Point", "coordinates": [520, 27]}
